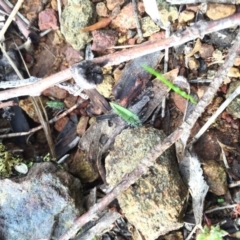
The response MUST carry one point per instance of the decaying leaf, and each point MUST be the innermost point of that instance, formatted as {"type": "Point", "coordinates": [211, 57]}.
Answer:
{"type": "Point", "coordinates": [196, 48]}
{"type": "Point", "coordinates": [192, 173]}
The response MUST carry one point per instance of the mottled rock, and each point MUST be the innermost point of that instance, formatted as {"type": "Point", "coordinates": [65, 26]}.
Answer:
{"type": "Point", "coordinates": [76, 15]}
{"type": "Point", "coordinates": [81, 167]}
{"type": "Point", "coordinates": [169, 14]}
{"type": "Point", "coordinates": [234, 107]}
{"type": "Point", "coordinates": [217, 11]}
{"type": "Point", "coordinates": [154, 203]}
{"type": "Point", "coordinates": [101, 9]}
{"type": "Point", "coordinates": [103, 39]}
{"type": "Point", "coordinates": [41, 205]}
{"type": "Point", "coordinates": [105, 88]}
{"type": "Point", "coordinates": [186, 16]}
{"type": "Point", "coordinates": [47, 19]}
{"type": "Point", "coordinates": [148, 26]}
{"type": "Point", "coordinates": [125, 19]}
{"type": "Point", "coordinates": [216, 177]}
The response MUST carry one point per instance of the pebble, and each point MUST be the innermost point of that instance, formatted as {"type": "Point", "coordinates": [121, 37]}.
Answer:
{"type": "Point", "coordinates": [101, 9]}
{"type": "Point", "coordinates": [186, 16]}
{"type": "Point", "coordinates": [47, 19]}
{"type": "Point", "coordinates": [217, 11]}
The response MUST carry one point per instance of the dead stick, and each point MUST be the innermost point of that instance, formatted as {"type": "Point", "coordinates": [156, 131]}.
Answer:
{"type": "Point", "coordinates": [21, 25]}
{"type": "Point", "coordinates": [197, 30]}
{"type": "Point", "coordinates": [150, 158]}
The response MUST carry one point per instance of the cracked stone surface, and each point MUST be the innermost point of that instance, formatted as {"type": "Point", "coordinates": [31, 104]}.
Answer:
{"type": "Point", "coordinates": [154, 203]}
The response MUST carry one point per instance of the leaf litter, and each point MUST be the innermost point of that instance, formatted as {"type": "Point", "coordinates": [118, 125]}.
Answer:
{"type": "Point", "coordinates": [134, 90]}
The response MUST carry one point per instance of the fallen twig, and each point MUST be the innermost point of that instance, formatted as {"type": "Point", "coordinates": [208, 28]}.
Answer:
{"type": "Point", "coordinates": [150, 158]}
{"type": "Point", "coordinates": [216, 114]}
{"type": "Point", "coordinates": [197, 30]}
{"type": "Point", "coordinates": [21, 24]}
{"type": "Point", "coordinates": [139, 30]}
{"type": "Point", "coordinates": [221, 208]}
{"type": "Point", "coordinates": [10, 18]}
{"type": "Point", "coordinates": [10, 135]}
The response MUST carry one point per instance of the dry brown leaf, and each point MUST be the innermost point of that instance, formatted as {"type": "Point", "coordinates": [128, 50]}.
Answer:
{"type": "Point", "coordinates": [196, 48]}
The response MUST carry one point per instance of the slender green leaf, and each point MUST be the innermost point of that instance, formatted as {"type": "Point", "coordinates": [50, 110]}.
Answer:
{"type": "Point", "coordinates": [55, 104]}
{"type": "Point", "coordinates": [169, 84]}
{"type": "Point", "coordinates": [128, 116]}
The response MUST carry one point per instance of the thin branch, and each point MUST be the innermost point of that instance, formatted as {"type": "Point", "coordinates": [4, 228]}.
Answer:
{"type": "Point", "coordinates": [10, 135]}
{"type": "Point", "coordinates": [21, 24]}
{"type": "Point", "coordinates": [10, 18]}
{"type": "Point", "coordinates": [216, 114]}
{"type": "Point", "coordinates": [197, 30]}
{"type": "Point", "coordinates": [221, 208]}
{"type": "Point", "coordinates": [165, 68]}
{"type": "Point", "coordinates": [139, 30]}
{"type": "Point", "coordinates": [150, 158]}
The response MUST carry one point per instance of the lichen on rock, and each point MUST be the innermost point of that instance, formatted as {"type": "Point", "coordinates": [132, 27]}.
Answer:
{"type": "Point", "coordinates": [154, 203]}
{"type": "Point", "coordinates": [76, 15]}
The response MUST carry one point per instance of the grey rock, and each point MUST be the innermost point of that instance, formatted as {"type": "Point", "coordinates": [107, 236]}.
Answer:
{"type": "Point", "coordinates": [41, 205]}
{"type": "Point", "coordinates": [234, 107]}
{"type": "Point", "coordinates": [76, 15]}
{"type": "Point", "coordinates": [154, 203]}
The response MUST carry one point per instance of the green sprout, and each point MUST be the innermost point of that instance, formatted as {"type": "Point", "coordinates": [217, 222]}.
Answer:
{"type": "Point", "coordinates": [211, 233]}
{"type": "Point", "coordinates": [55, 105]}
{"type": "Point", "coordinates": [176, 89]}
{"type": "Point", "coordinates": [128, 116]}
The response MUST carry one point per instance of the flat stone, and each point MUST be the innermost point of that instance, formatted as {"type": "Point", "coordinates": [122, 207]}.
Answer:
{"type": "Point", "coordinates": [125, 19]}
{"type": "Point", "coordinates": [41, 205]}
{"type": "Point", "coordinates": [153, 204]}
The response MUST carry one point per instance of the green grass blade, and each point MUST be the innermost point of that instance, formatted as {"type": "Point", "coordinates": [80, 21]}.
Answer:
{"type": "Point", "coordinates": [128, 116]}
{"type": "Point", "coordinates": [169, 84]}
